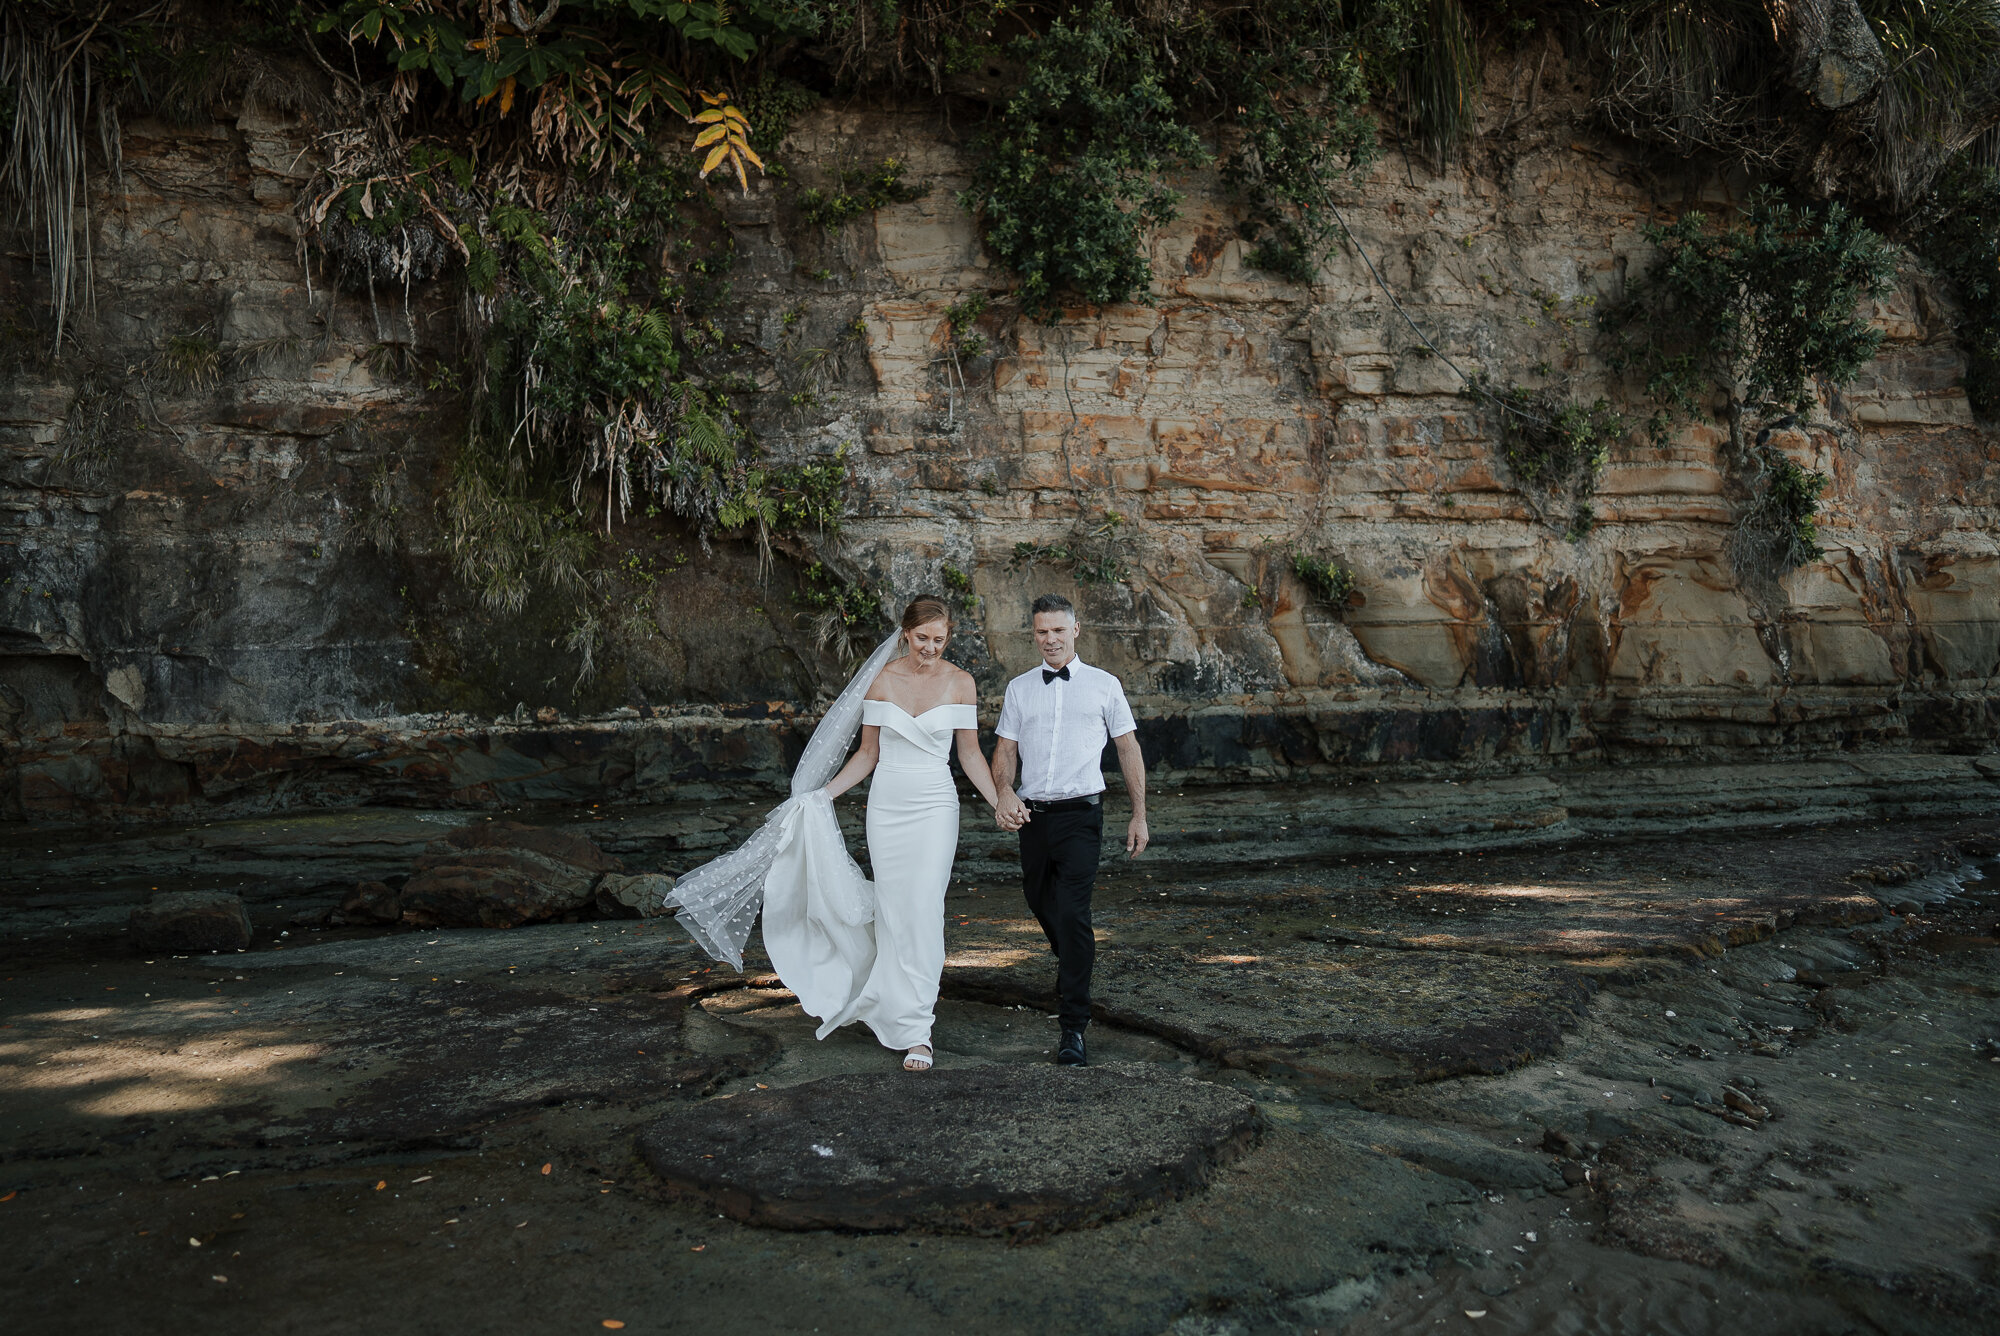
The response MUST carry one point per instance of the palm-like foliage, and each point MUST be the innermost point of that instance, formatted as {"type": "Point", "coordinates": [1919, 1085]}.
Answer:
{"type": "Point", "coordinates": [47, 67]}
{"type": "Point", "coordinates": [1438, 81]}
{"type": "Point", "coordinates": [1943, 89]}
{"type": "Point", "coordinates": [1695, 75]}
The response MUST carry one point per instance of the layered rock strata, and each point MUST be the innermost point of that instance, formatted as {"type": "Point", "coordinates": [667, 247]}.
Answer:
{"type": "Point", "coordinates": [208, 606]}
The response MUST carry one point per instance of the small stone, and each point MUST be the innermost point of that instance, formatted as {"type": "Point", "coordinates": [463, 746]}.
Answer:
{"type": "Point", "coordinates": [188, 921]}
{"type": "Point", "coordinates": [548, 714]}
{"type": "Point", "coordinates": [1743, 1104]}
{"type": "Point", "coordinates": [1562, 1143]}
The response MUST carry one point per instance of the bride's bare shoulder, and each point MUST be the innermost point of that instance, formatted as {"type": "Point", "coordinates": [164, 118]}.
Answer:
{"type": "Point", "coordinates": [879, 688]}
{"type": "Point", "coordinates": [964, 690]}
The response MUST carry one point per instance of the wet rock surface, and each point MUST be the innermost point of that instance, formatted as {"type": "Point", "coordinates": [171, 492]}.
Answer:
{"type": "Point", "coordinates": [1012, 1151]}
{"type": "Point", "coordinates": [1577, 1071]}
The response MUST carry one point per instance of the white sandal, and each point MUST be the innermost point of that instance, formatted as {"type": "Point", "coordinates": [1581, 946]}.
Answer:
{"type": "Point", "coordinates": [913, 1061]}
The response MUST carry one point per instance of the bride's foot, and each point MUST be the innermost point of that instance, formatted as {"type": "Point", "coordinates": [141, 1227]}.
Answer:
{"type": "Point", "coordinates": [918, 1059]}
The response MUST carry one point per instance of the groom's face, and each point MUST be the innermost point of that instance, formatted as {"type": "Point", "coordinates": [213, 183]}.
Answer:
{"type": "Point", "coordinates": [1055, 637]}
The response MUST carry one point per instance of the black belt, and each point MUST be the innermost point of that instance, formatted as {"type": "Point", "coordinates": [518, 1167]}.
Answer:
{"type": "Point", "coordinates": [1062, 804]}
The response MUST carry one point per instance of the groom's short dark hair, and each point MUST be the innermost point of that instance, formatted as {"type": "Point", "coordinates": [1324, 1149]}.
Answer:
{"type": "Point", "coordinates": [1052, 603]}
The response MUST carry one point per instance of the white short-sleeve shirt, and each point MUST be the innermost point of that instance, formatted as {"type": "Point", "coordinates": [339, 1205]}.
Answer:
{"type": "Point", "coordinates": [1061, 727]}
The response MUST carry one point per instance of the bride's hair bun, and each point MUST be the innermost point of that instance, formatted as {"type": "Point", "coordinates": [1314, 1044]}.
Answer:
{"type": "Point", "coordinates": [925, 608]}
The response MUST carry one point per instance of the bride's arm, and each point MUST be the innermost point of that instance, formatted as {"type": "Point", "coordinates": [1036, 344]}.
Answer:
{"type": "Point", "coordinates": [973, 761]}
{"type": "Point", "coordinates": [970, 759]}
{"type": "Point", "coordinates": [859, 764]}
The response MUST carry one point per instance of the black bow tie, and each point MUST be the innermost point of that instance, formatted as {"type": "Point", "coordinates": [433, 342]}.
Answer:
{"type": "Point", "coordinates": [1051, 674]}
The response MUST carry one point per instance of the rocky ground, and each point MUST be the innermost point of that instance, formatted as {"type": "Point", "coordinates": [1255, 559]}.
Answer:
{"type": "Point", "coordinates": [1718, 1083]}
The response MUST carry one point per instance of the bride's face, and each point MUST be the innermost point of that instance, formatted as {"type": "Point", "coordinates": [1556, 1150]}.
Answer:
{"type": "Point", "coordinates": [927, 641]}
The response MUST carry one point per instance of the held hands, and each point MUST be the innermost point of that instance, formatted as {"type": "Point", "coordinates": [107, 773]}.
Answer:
{"type": "Point", "coordinates": [1010, 813]}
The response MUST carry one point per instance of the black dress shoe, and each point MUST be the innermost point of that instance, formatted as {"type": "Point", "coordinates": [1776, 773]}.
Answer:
{"type": "Point", "coordinates": [1069, 1053]}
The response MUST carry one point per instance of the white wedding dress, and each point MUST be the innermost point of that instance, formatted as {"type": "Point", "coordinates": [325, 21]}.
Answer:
{"type": "Point", "coordinates": [912, 839]}
{"type": "Point", "coordinates": [851, 949]}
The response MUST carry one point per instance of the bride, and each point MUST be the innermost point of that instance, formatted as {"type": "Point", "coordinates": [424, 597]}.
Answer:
{"type": "Point", "coordinates": [850, 949]}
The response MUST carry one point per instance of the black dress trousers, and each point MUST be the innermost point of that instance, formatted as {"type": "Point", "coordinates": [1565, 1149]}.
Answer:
{"type": "Point", "coordinates": [1059, 853]}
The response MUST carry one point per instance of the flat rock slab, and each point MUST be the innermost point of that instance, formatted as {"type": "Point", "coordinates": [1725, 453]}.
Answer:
{"type": "Point", "coordinates": [998, 1150]}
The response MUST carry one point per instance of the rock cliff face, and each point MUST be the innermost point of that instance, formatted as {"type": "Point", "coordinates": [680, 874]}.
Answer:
{"type": "Point", "coordinates": [207, 602]}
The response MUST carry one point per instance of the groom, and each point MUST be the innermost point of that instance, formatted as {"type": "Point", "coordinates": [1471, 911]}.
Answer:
{"type": "Point", "coordinates": [1052, 728]}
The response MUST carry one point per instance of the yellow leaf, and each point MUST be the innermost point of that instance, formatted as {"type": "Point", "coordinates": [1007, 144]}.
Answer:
{"type": "Point", "coordinates": [506, 96]}
{"type": "Point", "coordinates": [737, 116]}
{"type": "Point", "coordinates": [751, 154]}
{"type": "Point", "coordinates": [742, 177]}
{"type": "Point", "coordinates": [710, 135]}
{"type": "Point", "coordinates": [709, 117]}
{"type": "Point", "coordinates": [715, 99]}
{"type": "Point", "coordinates": [714, 160]}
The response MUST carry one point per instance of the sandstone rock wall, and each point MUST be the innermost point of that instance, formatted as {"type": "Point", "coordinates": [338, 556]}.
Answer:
{"type": "Point", "coordinates": [204, 592]}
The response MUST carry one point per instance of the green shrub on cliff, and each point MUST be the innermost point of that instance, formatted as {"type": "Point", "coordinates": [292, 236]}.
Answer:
{"type": "Point", "coordinates": [1779, 527]}
{"type": "Point", "coordinates": [1070, 180]}
{"type": "Point", "coordinates": [1958, 231]}
{"type": "Point", "coordinates": [1757, 310]}
{"type": "Point", "coordinates": [1556, 445]}
{"type": "Point", "coordinates": [845, 615]}
{"type": "Point", "coordinates": [856, 191]}
{"type": "Point", "coordinates": [1330, 582]}
{"type": "Point", "coordinates": [1072, 177]}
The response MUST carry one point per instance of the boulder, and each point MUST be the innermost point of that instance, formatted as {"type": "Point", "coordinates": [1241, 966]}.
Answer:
{"type": "Point", "coordinates": [1841, 59]}
{"type": "Point", "coordinates": [1003, 1150]}
{"type": "Point", "coordinates": [641, 896]}
{"type": "Point", "coordinates": [371, 902]}
{"type": "Point", "coordinates": [499, 874]}
{"type": "Point", "coordinates": [186, 921]}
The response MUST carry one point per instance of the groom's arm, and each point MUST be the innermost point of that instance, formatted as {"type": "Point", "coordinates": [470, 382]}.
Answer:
{"type": "Point", "coordinates": [1132, 765]}
{"type": "Point", "coordinates": [1008, 812]}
